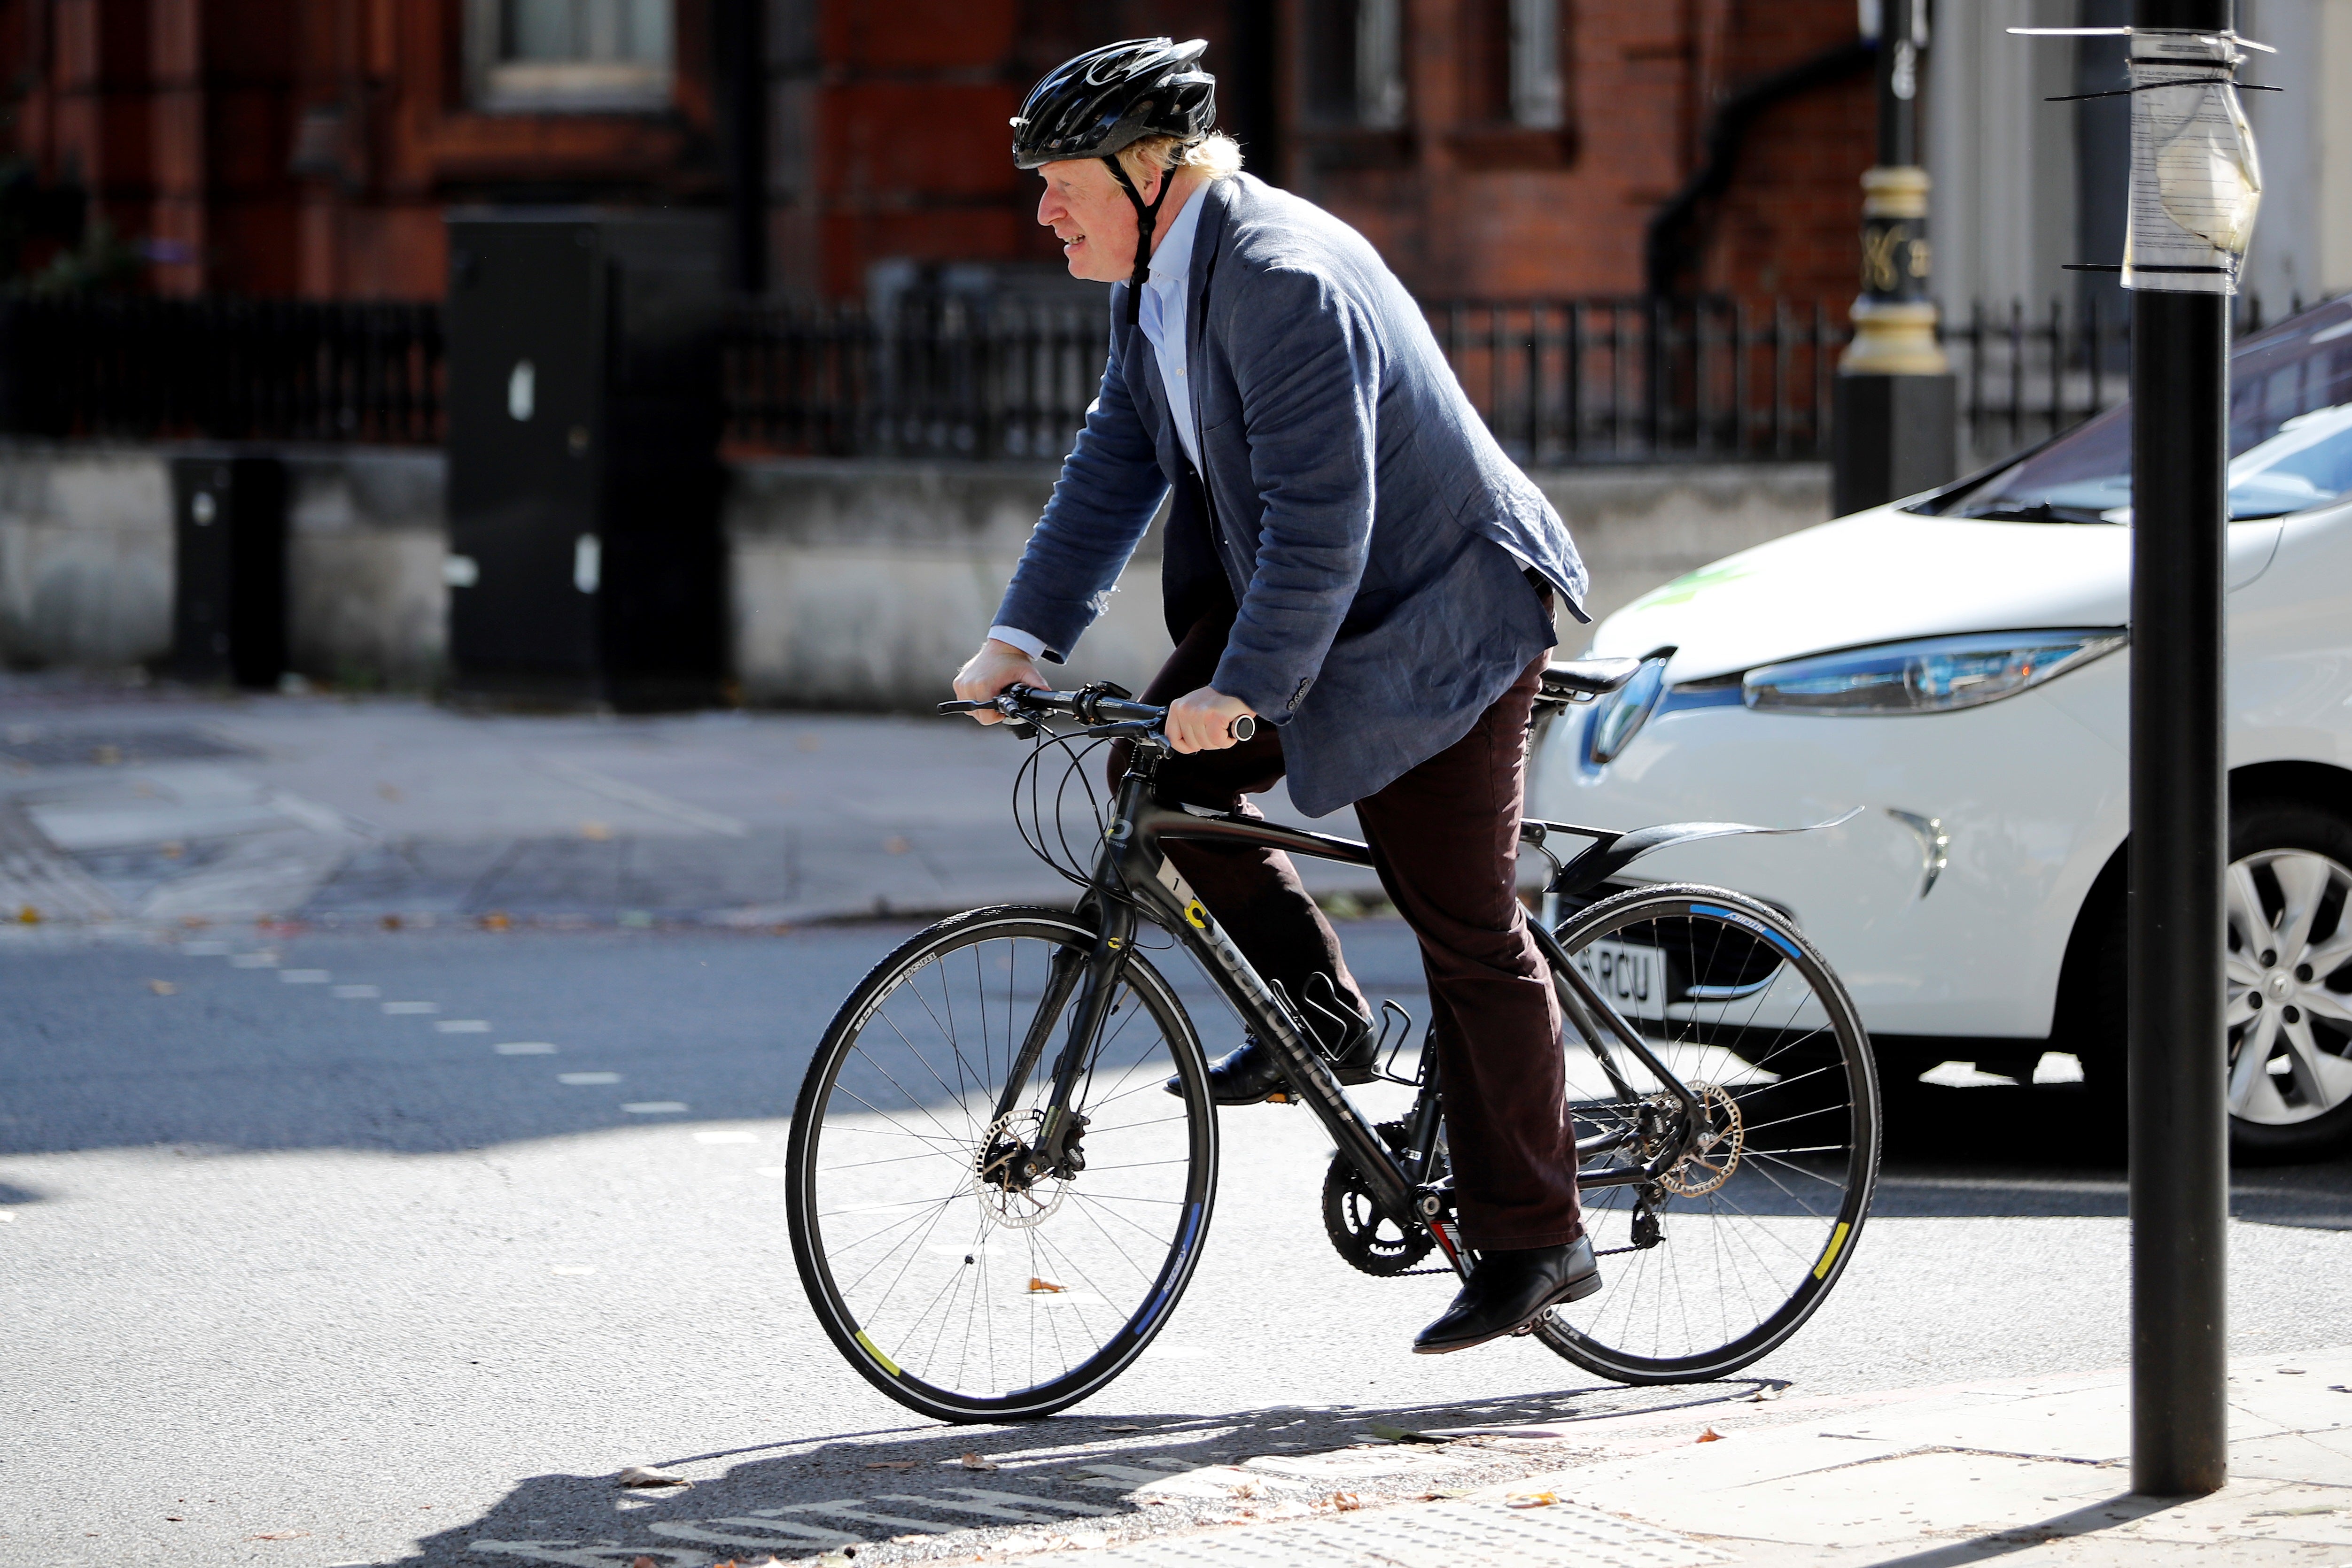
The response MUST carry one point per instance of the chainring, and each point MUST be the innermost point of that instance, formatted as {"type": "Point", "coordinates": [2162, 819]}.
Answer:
{"type": "Point", "coordinates": [1359, 1233]}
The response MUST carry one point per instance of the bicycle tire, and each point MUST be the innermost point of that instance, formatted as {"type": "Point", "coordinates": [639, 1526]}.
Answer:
{"type": "Point", "coordinates": [844, 1115]}
{"type": "Point", "coordinates": [1786, 1048]}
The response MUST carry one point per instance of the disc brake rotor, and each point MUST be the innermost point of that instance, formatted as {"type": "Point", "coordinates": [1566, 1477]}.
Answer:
{"type": "Point", "coordinates": [1009, 1195]}
{"type": "Point", "coordinates": [1717, 1154]}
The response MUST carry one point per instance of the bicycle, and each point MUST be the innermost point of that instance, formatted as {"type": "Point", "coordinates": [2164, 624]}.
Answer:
{"type": "Point", "coordinates": [994, 1206]}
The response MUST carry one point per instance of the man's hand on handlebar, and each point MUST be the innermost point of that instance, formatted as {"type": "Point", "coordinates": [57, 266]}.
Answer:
{"type": "Point", "coordinates": [987, 673]}
{"type": "Point", "coordinates": [1203, 720]}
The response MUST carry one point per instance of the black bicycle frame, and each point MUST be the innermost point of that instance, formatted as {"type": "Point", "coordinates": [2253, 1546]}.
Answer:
{"type": "Point", "coordinates": [1132, 872]}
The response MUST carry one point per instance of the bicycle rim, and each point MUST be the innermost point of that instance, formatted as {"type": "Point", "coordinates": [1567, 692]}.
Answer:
{"type": "Point", "coordinates": [966, 1296]}
{"type": "Point", "coordinates": [1728, 1255]}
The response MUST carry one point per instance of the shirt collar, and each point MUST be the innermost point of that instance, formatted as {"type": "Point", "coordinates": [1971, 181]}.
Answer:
{"type": "Point", "coordinates": [1172, 262]}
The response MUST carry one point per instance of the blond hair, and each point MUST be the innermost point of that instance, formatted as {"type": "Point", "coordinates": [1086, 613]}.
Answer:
{"type": "Point", "coordinates": [1217, 155]}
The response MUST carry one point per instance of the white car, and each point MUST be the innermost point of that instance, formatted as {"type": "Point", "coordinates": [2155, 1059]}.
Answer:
{"type": "Point", "coordinates": [1954, 665]}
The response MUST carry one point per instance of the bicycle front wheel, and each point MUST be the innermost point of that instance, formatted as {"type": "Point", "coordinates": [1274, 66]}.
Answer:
{"type": "Point", "coordinates": [956, 1281]}
{"type": "Point", "coordinates": [1723, 1257]}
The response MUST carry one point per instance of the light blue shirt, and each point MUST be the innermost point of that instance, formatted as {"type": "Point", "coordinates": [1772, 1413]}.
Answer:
{"type": "Point", "coordinates": [1161, 316]}
{"type": "Point", "coordinates": [1162, 319]}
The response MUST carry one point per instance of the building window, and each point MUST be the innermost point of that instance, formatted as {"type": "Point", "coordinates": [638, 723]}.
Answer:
{"type": "Point", "coordinates": [1355, 62]}
{"type": "Point", "coordinates": [569, 57]}
{"type": "Point", "coordinates": [1515, 101]}
{"type": "Point", "coordinates": [1538, 99]}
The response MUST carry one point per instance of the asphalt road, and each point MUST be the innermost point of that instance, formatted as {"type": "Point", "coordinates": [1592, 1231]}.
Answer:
{"type": "Point", "coordinates": [292, 1274]}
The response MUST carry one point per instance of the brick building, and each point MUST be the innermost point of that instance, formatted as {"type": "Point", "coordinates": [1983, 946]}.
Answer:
{"type": "Point", "coordinates": [1491, 148]}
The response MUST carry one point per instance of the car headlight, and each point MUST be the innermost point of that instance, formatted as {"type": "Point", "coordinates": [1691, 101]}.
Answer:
{"type": "Point", "coordinates": [1934, 674]}
{"type": "Point", "coordinates": [1617, 716]}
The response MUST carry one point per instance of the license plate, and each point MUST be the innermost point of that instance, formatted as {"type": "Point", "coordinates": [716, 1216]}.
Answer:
{"type": "Point", "coordinates": [1633, 978]}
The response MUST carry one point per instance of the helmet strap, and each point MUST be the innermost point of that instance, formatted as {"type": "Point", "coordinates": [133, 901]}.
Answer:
{"type": "Point", "coordinates": [1147, 220]}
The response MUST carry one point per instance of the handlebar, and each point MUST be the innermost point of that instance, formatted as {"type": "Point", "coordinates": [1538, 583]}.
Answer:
{"type": "Point", "coordinates": [1092, 705]}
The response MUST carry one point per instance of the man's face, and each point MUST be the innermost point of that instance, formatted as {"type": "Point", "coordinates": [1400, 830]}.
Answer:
{"type": "Point", "coordinates": [1084, 207]}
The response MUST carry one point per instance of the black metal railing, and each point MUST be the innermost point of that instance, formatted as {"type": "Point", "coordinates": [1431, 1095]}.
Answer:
{"type": "Point", "coordinates": [147, 368]}
{"type": "Point", "coordinates": [1587, 381]}
{"type": "Point", "coordinates": [1565, 381]}
{"type": "Point", "coordinates": [2029, 372]}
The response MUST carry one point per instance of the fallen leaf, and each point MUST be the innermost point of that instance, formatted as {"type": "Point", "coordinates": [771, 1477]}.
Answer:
{"type": "Point", "coordinates": [1710, 1435]}
{"type": "Point", "coordinates": [1123, 1427]}
{"type": "Point", "coordinates": [1044, 1287]}
{"type": "Point", "coordinates": [1764, 1396]}
{"type": "Point", "coordinates": [895, 1465]}
{"type": "Point", "coordinates": [974, 1462]}
{"type": "Point", "coordinates": [1343, 1501]}
{"type": "Point", "coordinates": [1530, 1499]}
{"type": "Point", "coordinates": [644, 1562]}
{"type": "Point", "coordinates": [1402, 1435]}
{"type": "Point", "coordinates": [280, 1535]}
{"type": "Point", "coordinates": [174, 1519]}
{"type": "Point", "coordinates": [163, 987]}
{"type": "Point", "coordinates": [894, 845]}
{"type": "Point", "coordinates": [647, 1475]}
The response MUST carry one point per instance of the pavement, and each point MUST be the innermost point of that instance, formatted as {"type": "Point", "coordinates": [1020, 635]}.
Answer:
{"type": "Point", "coordinates": [2035, 1471]}
{"type": "Point", "coordinates": [145, 805]}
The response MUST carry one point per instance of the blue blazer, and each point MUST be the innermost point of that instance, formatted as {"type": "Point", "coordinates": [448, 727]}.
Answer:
{"type": "Point", "coordinates": [1363, 517]}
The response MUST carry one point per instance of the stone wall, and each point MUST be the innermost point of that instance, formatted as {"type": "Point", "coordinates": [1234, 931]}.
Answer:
{"type": "Point", "coordinates": [855, 585]}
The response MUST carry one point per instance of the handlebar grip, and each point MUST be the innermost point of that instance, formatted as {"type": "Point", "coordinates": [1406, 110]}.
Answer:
{"type": "Point", "coordinates": [1242, 727]}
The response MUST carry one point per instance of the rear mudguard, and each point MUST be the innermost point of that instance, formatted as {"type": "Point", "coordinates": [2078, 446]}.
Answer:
{"type": "Point", "coordinates": [1611, 853]}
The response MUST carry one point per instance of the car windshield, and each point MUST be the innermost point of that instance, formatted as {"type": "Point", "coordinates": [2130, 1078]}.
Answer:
{"type": "Point", "coordinates": [2290, 439]}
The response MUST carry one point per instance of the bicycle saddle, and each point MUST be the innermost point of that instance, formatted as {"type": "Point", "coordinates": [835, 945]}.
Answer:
{"type": "Point", "coordinates": [1578, 680]}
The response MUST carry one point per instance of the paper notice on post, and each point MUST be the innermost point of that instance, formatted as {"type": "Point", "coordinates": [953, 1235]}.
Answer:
{"type": "Point", "coordinates": [2195, 182]}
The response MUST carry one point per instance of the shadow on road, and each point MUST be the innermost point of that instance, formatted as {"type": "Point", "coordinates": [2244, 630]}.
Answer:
{"type": "Point", "coordinates": [1067, 1473]}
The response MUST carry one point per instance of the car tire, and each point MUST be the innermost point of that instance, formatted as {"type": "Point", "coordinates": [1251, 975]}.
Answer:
{"type": "Point", "coordinates": [2307, 1116]}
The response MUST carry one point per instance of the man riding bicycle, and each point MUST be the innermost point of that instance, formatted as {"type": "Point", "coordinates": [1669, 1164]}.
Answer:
{"type": "Point", "coordinates": [1351, 559]}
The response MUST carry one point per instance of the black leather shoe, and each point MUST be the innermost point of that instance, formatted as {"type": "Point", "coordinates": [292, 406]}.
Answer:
{"type": "Point", "coordinates": [1507, 1291]}
{"type": "Point", "coordinates": [1247, 1076]}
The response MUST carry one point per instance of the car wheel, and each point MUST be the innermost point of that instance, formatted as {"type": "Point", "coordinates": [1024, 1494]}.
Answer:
{"type": "Point", "coordinates": [2290, 973]}
{"type": "Point", "coordinates": [2289, 964]}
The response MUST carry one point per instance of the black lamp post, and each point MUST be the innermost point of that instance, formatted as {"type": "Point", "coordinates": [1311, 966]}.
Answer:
{"type": "Point", "coordinates": [1895, 394]}
{"type": "Point", "coordinates": [2179, 811]}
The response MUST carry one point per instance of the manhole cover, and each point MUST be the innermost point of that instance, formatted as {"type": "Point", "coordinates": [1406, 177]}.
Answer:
{"type": "Point", "coordinates": [25, 746]}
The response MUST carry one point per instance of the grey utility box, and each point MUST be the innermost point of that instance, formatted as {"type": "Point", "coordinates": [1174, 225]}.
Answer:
{"type": "Point", "coordinates": [584, 561]}
{"type": "Point", "coordinates": [228, 587]}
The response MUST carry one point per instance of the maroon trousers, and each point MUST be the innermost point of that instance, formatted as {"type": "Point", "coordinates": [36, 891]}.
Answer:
{"type": "Point", "coordinates": [1444, 840]}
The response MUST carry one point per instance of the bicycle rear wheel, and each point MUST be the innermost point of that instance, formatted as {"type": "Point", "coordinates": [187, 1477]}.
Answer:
{"type": "Point", "coordinates": [1723, 1257]}
{"type": "Point", "coordinates": [962, 1290]}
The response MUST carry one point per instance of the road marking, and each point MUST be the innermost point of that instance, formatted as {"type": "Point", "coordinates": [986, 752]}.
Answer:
{"type": "Point", "coordinates": [303, 977]}
{"type": "Point", "coordinates": [645, 799]}
{"type": "Point", "coordinates": [587, 1078]}
{"type": "Point", "coordinates": [727, 1137]}
{"type": "Point", "coordinates": [654, 1107]}
{"type": "Point", "coordinates": [855, 1509]}
{"type": "Point", "coordinates": [205, 949]}
{"type": "Point", "coordinates": [780, 1532]}
{"type": "Point", "coordinates": [253, 960]}
{"type": "Point", "coordinates": [1014, 1504]}
{"type": "Point", "coordinates": [524, 1048]}
{"type": "Point", "coordinates": [571, 1554]}
{"type": "Point", "coordinates": [400, 1010]}
{"type": "Point", "coordinates": [463, 1025]}
{"type": "Point", "coordinates": [357, 993]}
